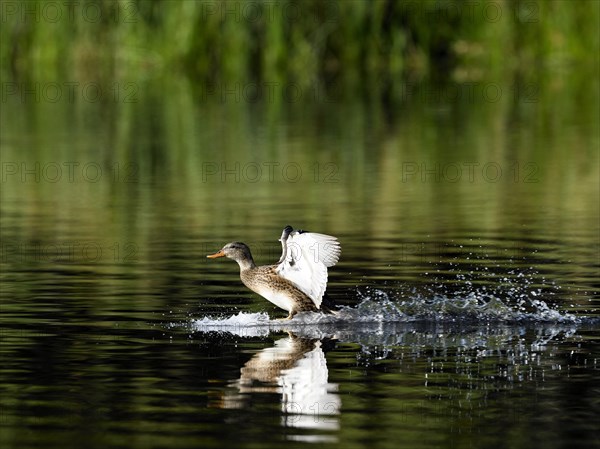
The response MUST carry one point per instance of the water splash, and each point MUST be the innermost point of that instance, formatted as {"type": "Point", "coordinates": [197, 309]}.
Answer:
{"type": "Point", "coordinates": [475, 306]}
{"type": "Point", "coordinates": [378, 307]}
{"type": "Point", "coordinates": [242, 324]}
{"type": "Point", "coordinates": [460, 290]}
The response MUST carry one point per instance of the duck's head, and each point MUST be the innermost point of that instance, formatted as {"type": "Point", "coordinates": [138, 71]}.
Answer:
{"type": "Point", "coordinates": [237, 251]}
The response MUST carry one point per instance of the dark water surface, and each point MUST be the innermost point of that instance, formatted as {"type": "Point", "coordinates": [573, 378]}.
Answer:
{"type": "Point", "coordinates": [469, 276]}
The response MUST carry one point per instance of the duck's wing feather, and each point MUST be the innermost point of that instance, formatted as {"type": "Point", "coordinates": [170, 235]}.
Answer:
{"type": "Point", "coordinates": [326, 248]}
{"type": "Point", "coordinates": [307, 256]}
{"type": "Point", "coordinates": [284, 236]}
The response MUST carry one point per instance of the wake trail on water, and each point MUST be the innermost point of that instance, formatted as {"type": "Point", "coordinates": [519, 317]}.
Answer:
{"type": "Point", "coordinates": [477, 295]}
{"type": "Point", "coordinates": [377, 307]}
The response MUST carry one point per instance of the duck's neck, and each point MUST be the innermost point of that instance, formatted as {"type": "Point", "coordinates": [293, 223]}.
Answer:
{"type": "Point", "coordinates": [246, 263]}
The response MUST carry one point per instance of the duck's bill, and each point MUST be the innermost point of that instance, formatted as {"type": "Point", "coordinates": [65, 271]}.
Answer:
{"type": "Point", "coordinates": [215, 255]}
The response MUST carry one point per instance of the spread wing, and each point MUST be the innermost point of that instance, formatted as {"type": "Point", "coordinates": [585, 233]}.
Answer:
{"type": "Point", "coordinates": [306, 256]}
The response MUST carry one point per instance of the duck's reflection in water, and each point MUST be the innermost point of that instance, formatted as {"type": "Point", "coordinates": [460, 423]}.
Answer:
{"type": "Point", "coordinates": [296, 368]}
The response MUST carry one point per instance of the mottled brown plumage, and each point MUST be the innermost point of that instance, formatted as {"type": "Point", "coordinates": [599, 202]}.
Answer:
{"type": "Point", "coordinates": [266, 281]}
{"type": "Point", "coordinates": [258, 278]}
{"type": "Point", "coordinates": [298, 281]}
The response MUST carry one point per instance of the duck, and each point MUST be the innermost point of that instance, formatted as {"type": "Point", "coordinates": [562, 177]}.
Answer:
{"type": "Point", "coordinates": [297, 282]}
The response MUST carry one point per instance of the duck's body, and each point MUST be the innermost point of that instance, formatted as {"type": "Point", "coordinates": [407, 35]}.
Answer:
{"type": "Point", "coordinates": [297, 283]}
{"type": "Point", "coordinates": [267, 283]}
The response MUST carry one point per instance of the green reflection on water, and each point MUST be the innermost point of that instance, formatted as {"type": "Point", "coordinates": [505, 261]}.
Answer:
{"type": "Point", "coordinates": [108, 208]}
{"type": "Point", "coordinates": [129, 177]}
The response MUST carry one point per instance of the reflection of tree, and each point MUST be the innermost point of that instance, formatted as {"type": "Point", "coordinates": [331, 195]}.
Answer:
{"type": "Point", "coordinates": [296, 368]}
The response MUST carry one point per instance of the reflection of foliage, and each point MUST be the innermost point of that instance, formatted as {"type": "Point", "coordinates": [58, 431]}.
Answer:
{"type": "Point", "coordinates": [290, 40]}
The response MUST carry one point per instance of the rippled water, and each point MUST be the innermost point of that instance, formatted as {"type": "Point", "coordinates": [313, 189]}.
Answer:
{"type": "Point", "coordinates": [172, 350]}
{"type": "Point", "coordinates": [469, 307]}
